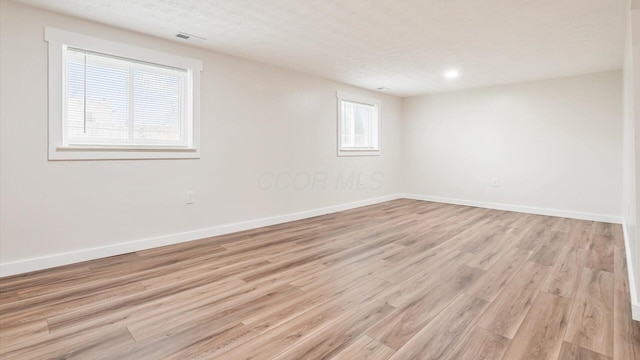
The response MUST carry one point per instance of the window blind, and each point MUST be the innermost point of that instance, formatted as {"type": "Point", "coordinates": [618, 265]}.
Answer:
{"type": "Point", "coordinates": [357, 125]}
{"type": "Point", "coordinates": [112, 100]}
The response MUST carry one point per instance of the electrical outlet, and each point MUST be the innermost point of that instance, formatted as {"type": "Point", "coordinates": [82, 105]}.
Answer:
{"type": "Point", "coordinates": [191, 197]}
{"type": "Point", "coordinates": [495, 182]}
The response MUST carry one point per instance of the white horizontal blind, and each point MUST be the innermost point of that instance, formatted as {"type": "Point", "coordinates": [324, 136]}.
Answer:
{"type": "Point", "coordinates": [116, 101]}
{"type": "Point", "coordinates": [359, 125]}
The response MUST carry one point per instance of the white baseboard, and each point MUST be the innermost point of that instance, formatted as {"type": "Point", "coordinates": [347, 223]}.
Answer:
{"type": "Point", "coordinates": [44, 262]}
{"type": "Point", "coordinates": [635, 305]}
{"type": "Point", "coordinates": [49, 261]}
{"type": "Point", "coordinates": [519, 208]}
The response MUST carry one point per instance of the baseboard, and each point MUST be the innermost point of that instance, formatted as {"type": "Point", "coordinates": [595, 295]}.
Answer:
{"type": "Point", "coordinates": [518, 208]}
{"type": "Point", "coordinates": [635, 305]}
{"type": "Point", "coordinates": [44, 262]}
{"type": "Point", "coordinates": [49, 261]}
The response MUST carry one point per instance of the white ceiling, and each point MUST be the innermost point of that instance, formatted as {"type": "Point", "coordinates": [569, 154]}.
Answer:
{"type": "Point", "coordinates": [404, 45]}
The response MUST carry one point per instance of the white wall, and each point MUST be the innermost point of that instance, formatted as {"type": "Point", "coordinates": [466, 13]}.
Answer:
{"type": "Point", "coordinates": [631, 154]}
{"type": "Point", "coordinates": [554, 144]}
{"type": "Point", "coordinates": [256, 119]}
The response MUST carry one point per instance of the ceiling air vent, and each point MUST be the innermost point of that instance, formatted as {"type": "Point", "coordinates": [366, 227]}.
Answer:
{"type": "Point", "coordinates": [184, 35]}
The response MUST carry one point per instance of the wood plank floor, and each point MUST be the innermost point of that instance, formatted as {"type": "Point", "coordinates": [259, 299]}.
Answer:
{"type": "Point", "coordinates": [399, 280]}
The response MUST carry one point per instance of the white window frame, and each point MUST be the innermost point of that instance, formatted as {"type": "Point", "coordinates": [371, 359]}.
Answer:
{"type": "Point", "coordinates": [58, 41]}
{"type": "Point", "coordinates": [376, 103]}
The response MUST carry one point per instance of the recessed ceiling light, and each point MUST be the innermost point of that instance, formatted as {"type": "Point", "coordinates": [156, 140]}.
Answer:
{"type": "Point", "coordinates": [452, 74]}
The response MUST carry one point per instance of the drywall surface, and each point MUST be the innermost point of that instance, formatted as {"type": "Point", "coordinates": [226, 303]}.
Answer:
{"type": "Point", "coordinates": [552, 144]}
{"type": "Point", "coordinates": [268, 145]}
{"type": "Point", "coordinates": [269, 153]}
{"type": "Point", "coordinates": [635, 19]}
{"type": "Point", "coordinates": [631, 152]}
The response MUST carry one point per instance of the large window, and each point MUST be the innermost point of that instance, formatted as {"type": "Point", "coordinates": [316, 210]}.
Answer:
{"type": "Point", "coordinates": [115, 101]}
{"type": "Point", "coordinates": [358, 125]}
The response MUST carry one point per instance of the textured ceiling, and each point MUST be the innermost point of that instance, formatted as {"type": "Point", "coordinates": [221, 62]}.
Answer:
{"type": "Point", "coordinates": [404, 45]}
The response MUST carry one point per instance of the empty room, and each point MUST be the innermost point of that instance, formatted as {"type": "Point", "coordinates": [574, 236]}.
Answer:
{"type": "Point", "coordinates": [320, 179]}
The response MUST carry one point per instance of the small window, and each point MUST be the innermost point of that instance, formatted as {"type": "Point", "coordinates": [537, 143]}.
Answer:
{"type": "Point", "coordinates": [358, 125]}
{"type": "Point", "coordinates": [115, 101]}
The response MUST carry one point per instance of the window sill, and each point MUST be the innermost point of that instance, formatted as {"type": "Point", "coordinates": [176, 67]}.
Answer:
{"type": "Point", "coordinates": [358, 152]}
{"type": "Point", "coordinates": [89, 152]}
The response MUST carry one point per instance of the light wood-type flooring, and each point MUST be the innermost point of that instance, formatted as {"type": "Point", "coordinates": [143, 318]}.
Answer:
{"type": "Point", "coordinates": [399, 280]}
